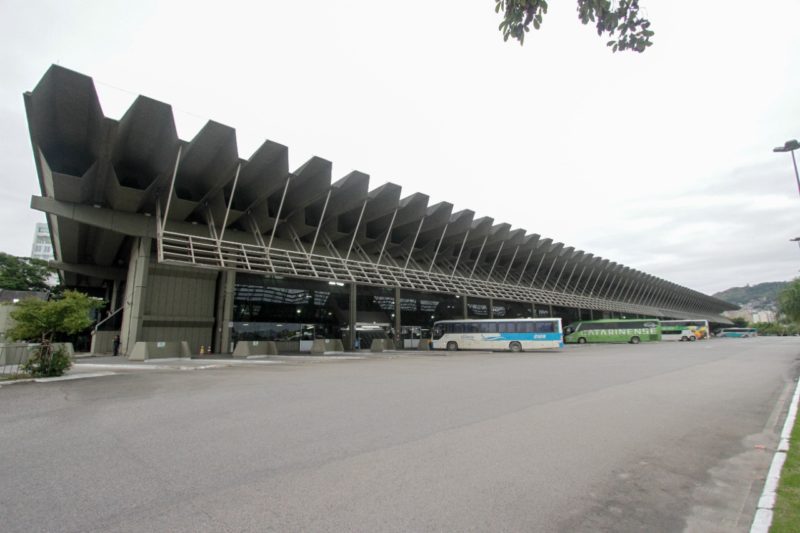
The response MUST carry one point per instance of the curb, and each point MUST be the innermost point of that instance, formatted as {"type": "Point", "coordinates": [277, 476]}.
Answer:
{"type": "Point", "coordinates": [763, 519]}
{"type": "Point", "coordinates": [68, 377]}
{"type": "Point", "coordinates": [71, 377]}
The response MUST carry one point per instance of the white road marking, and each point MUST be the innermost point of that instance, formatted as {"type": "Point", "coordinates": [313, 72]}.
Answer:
{"type": "Point", "coordinates": [122, 366]}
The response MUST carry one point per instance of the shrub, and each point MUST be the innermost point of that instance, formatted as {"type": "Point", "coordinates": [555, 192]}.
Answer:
{"type": "Point", "coordinates": [47, 362]}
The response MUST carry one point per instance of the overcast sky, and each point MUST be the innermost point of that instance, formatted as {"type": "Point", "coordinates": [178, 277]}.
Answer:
{"type": "Point", "coordinates": [661, 161]}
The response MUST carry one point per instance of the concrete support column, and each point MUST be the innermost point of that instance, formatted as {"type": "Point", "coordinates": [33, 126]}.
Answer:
{"type": "Point", "coordinates": [550, 307]}
{"type": "Point", "coordinates": [397, 322]}
{"type": "Point", "coordinates": [491, 308]}
{"type": "Point", "coordinates": [135, 289]}
{"type": "Point", "coordinates": [353, 316]}
{"type": "Point", "coordinates": [591, 314]}
{"type": "Point", "coordinates": [115, 303]}
{"type": "Point", "coordinates": [226, 284]}
{"type": "Point", "coordinates": [109, 294]}
{"type": "Point", "coordinates": [464, 308]}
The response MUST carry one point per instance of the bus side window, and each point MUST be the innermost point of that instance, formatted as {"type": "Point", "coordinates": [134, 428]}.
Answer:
{"type": "Point", "coordinates": [545, 327]}
{"type": "Point", "coordinates": [458, 328]}
{"type": "Point", "coordinates": [471, 327]}
{"type": "Point", "coordinates": [486, 327]}
{"type": "Point", "coordinates": [530, 327]}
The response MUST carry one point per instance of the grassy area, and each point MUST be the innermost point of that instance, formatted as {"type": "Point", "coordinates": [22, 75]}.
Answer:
{"type": "Point", "coordinates": [786, 517]}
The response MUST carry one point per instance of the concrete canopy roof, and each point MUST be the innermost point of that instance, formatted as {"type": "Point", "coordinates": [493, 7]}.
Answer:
{"type": "Point", "coordinates": [93, 171]}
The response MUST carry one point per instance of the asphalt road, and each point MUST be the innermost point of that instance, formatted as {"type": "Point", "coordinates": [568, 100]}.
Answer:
{"type": "Point", "coordinates": [654, 437]}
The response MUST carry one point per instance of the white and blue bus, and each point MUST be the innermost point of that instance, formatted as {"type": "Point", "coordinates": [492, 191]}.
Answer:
{"type": "Point", "coordinates": [738, 332]}
{"type": "Point", "coordinates": [515, 334]}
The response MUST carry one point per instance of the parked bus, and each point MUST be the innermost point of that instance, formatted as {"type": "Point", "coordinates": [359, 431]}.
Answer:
{"type": "Point", "coordinates": [683, 335]}
{"type": "Point", "coordinates": [613, 330]}
{"type": "Point", "coordinates": [738, 332]}
{"type": "Point", "coordinates": [515, 334]}
{"type": "Point", "coordinates": [699, 327]}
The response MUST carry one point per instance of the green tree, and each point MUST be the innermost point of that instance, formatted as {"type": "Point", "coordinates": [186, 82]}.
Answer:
{"type": "Point", "coordinates": [739, 322]}
{"type": "Point", "coordinates": [789, 301]}
{"type": "Point", "coordinates": [38, 321]}
{"type": "Point", "coordinates": [23, 273]}
{"type": "Point", "coordinates": [620, 19]}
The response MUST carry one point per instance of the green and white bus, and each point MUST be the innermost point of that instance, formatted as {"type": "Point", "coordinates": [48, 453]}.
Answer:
{"type": "Point", "coordinates": [633, 331]}
{"type": "Point", "coordinates": [515, 334]}
{"type": "Point", "coordinates": [698, 327]}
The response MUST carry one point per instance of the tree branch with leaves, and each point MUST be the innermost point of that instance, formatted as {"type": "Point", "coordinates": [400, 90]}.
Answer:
{"type": "Point", "coordinates": [24, 273]}
{"type": "Point", "coordinates": [789, 301]}
{"type": "Point", "coordinates": [620, 19]}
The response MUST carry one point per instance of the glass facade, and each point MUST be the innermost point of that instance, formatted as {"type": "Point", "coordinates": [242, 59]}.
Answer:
{"type": "Point", "coordinates": [506, 309]}
{"type": "Point", "coordinates": [477, 308]}
{"type": "Point", "coordinates": [375, 305]}
{"type": "Point", "coordinates": [281, 309]}
{"type": "Point", "coordinates": [277, 309]}
{"type": "Point", "coordinates": [425, 308]}
{"type": "Point", "coordinates": [567, 314]}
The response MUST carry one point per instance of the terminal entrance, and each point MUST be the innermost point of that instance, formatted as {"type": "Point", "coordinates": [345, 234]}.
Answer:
{"type": "Point", "coordinates": [300, 311]}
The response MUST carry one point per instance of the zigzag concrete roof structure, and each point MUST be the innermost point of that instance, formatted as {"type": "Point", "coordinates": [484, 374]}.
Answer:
{"type": "Point", "coordinates": [106, 183]}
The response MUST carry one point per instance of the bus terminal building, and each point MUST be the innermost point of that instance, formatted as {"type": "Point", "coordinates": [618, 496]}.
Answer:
{"type": "Point", "coordinates": [189, 242]}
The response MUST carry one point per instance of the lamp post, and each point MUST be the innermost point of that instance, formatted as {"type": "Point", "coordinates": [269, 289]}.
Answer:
{"type": "Point", "coordinates": [791, 146]}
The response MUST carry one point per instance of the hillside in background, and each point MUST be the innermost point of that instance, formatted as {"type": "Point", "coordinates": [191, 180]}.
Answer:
{"type": "Point", "coordinates": [763, 296]}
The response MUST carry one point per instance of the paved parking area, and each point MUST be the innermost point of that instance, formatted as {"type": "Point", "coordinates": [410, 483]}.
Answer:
{"type": "Point", "coordinates": [654, 437]}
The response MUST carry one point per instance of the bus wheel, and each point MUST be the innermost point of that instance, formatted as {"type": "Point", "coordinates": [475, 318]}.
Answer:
{"type": "Point", "coordinates": [635, 340]}
{"type": "Point", "coordinates": [581, 341]}
{"type": "Point", "coordinates": [515, 347]}
{"type": "Point", "coordinates": [452, 346]}
{"type": "Point", "coordinates": [692, 339]}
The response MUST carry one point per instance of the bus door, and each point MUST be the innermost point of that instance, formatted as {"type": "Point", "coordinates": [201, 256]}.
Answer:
{"type": "Point", "coordinates": [410, 336]}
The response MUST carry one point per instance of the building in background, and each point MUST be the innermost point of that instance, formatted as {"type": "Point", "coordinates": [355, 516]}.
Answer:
{"type": "Point", "coordinates": [753, 316]}
{"type": "Point", "coordinates": [42, 245]}
{"type": "Point", "coordinates": [764, 316]}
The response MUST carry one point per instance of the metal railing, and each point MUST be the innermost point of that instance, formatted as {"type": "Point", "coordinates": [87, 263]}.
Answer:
{"type": "Point", "coordinates": [13, 356]}
{"type": "Point", "coordinates": [208, 252]}
{"type": "Point", "coordinates": [106, 319]}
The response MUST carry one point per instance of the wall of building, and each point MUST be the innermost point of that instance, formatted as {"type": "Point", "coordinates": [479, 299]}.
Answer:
{"type": "Point", "coordinates": [179, 305]}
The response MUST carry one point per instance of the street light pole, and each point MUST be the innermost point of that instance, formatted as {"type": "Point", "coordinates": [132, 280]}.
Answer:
{"type": "Point", "coordinates": [791, 146]}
